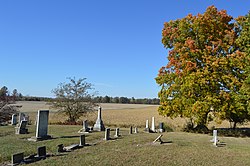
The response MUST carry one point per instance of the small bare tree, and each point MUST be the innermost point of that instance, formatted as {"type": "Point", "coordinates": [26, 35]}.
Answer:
{"type": "Point", "coordinates": [73, 99]}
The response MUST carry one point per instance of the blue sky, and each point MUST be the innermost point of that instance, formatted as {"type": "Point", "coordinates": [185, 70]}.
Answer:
{"type": "Point", "coordinates": [115, 44]}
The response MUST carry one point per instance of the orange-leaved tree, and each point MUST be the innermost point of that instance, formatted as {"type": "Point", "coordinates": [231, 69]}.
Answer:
{"type": "Point", "coordinates": [205, 69]}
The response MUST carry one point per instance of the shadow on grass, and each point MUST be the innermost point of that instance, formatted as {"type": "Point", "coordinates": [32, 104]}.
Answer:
{"type": "Point", "coordinates": [222, 144]}
{"type": "Point", "coordinates": [167, 142]}
{"type": "Point", "coordinates": [70, 136]}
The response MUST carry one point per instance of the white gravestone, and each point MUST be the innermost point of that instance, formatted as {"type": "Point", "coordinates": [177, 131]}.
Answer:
{"type": "Point", "coordinates": [215, 137]}
{"type": "Point", "coordinates": [117, 132]}
{"type": "Point", "coordinates": [153, 124]}
{"type": "Point", "coordinates": [99, 126]}
{"type": "Point", "coordinates": [14, 119]}
{"type": "Point", "coordinates": [147, 126]}
{"type": "Point", "coordinates": [136, 130]}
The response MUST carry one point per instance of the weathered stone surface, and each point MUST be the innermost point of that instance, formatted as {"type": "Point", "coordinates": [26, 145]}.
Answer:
{"type": "Point", "coordinates": [99, 126]}
{"type": "Point", "coordinates": [41, 151]}
{"type": "Point", "coordinates": [14, 119]}
{"type": "Point", "coordinates": [42, 124]}
{"type": "Point", "coordinates": [131, 130]}
{"type": "Point", "coordinates": [16, 158]}
{"type": "Point", "coordinates": [82, 140]}
{"type": "Point", "coordinates": [21, 128]}
{"type": "Point", "coordinates": [153, 124]}
{"type": "Point", "coordinates": [161, 127]}
{"type": "Point", "coordinates": [107, 134]}
{"type": "Point", "coordinates": [117, 132]}
{"type": "Point", "coordinates": [158, 139]}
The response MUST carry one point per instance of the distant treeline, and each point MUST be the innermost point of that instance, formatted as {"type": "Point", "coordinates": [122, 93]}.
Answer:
{"type": "Point", "coordinates": [6, 95]}
{"type": "Point", "coordinates": [125, 100]}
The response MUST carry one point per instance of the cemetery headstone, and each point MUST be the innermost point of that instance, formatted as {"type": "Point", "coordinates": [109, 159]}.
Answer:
{"type": "Point", "coordinates": [14, 119]}
{"type": "Point", "coordinates": [153, 124]}
{"type": "Point", "coordinates": [60, 148]}
{"type": "Point", "coordinates": [41, 151]}
{"type": "Point", "coordinates": [42, 124]}
{"type": "Point", "coordinates": [130, 130]}
{"type": "Point", "coordinates": [99, 126]}
{"type": "Point", "coordinates": [136, 130]}
{"type": "Point", "coordinates": [117, 134]}
{"type": "Point", "coordinates": [21, 117]}
{"type": "Point", "coordinates": [85, 126]}
{"type": "Point", "coordinates": [21, 127]}
{"type": "Point", "coordinates": [161, 127]}
{"type": "Point", "coordinates": [158, 139]}
{"type": "Point", "coordinates": [82, 140]}
{"type": "Point", "coordinates": [147, 126]}
{"type": "Point", "coordinates": [107, 134]}
{"type": "Point", "coordinates": [215, 137]}
{"type": "Point", "coordinates": [17, 158]}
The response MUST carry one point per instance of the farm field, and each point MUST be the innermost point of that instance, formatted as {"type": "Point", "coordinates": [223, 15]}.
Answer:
{"type": "Point", "coordinates": [121, 115]}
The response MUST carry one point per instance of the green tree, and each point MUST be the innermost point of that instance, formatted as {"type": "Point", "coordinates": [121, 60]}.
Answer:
{"type": "Point", "coordinates": [205, 70]}
{"type": "Point", "coordinates": [73, 99]}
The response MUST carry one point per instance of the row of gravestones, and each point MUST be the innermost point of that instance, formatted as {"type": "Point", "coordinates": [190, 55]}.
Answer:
{"type": "Point", "coordinates": [18, 158]}
{"type": "Point", "coordinates": [152, 129]}
{"type": "Point", "coordinates": [17, 118]}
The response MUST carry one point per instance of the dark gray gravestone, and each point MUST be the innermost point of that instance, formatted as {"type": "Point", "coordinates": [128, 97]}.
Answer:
{"type": "Point", "coordinates": [107, 134]}
{"type": "Point", "coordinates": [42, 124]}
{"type": "Point", "coordinates": [82, 140]}
{"type": "Point", "coordinates": [85, 126]}
{"type": "Point", "coordinates": [16, 158]}
{"type": "Point", "coordinates": [130, 130]}
{"type": "Point", "coordinates": [41, 151]}
{"type": "Point", "coordinates": [161, 127]}
{"type": "Point", "coordinates": [21, 128]}
{"type": "Point", "coordinates": [60, 148]}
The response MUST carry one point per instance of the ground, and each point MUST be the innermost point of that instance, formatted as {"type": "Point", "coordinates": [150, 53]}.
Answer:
{"type": "Point", "coordinates": [179, 148]}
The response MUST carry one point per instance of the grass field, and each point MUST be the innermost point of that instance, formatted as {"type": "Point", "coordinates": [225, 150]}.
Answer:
{"type": "Point", "coordinates": [121, 115]}
{"type": "Point", "coordinates": [179, 148]}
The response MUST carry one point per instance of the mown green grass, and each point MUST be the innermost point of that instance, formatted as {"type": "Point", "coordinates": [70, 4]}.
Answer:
{"type": "Point", "coordinates": [136, 149]}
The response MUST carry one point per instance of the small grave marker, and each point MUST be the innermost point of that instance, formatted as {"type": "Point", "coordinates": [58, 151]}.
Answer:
{"type": "Point", "coordinates": [60, 148]}
{"type": "Point", "coordinates": [117, 134]}
{"type": "Point", "coordinates": [16, 158]}
{"type": "Point", "coordinates": [158, 139]}
{"type": "Point", "coordinates": [41, 151]}
{"type": "Point", "coordinates": [21, 128]}
{"type": "Point", "coordinates": [82, 140]}
{"type": "Point", "coordinates": [130, 130]}
{"type": "Point", "coordinates": [107, 134]}
{"type": "Point", "coordinates": [153, 124]}
{"type": "Point", "coordinates": [161, 127]}
{"type": "Point", "coordinates": [136, 130]}
{"type": "Point", "coordinates": [14, 119]}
